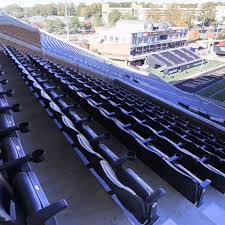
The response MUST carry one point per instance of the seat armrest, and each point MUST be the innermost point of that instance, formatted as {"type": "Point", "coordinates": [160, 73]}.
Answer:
{"type": "Point", "coordinates": [46, 213]}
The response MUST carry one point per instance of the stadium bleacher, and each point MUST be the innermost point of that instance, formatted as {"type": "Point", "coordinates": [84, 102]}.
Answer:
{"type": "Point", "coordinates": [149, 83]}
{"type": "Point", "coordinates": [11, 26]}
{"type": "Point", "coordinates": [134, 119]}
{"type": "Point", "coordinates": [186, 57]}
{"type": "Point", "coordinates": [132, 191]}
{"type": "Point", "coordinates": [174, 60]}
{"type": "Point", "coordinates": [188, 51]}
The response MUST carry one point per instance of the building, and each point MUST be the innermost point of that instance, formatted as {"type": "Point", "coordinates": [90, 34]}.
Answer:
{"type": "Point", "coordinates": [133, 40]}
{"type": "Point", "coordinates": [141, 11]}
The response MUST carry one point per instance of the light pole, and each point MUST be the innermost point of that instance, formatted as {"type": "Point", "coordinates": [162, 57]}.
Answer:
{"type": "Point", "coordinates": [219, 22]}
{"type": "Point", "coordinates": [67, 22]}
{"type": "Point", "coordinates": [202, 27]}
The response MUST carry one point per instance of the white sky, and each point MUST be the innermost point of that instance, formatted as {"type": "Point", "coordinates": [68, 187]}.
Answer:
{"type": "Point", "coordinates": [25, 3]}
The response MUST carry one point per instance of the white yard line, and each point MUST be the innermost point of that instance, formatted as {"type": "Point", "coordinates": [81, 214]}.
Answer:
{"type": "Point", "coordinates": [216, 93]}
{"type": "Point", "coordinates": [208, 71]}
{"type": "Point", "coordinates": [210, 85]}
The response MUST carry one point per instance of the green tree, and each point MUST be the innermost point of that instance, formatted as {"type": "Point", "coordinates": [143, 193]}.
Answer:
{"type": "Point", "coordinates": [51, 9]}
{"type": "Point", "coordinates": [74, 24]}
{"type": "Point", "coordinates": [188, 18]}
{"type": "Point", "coordinates": [84, 11]}
{"type": "Point", "coordinates": [60, 9]}
{"type": "Point", "coordinates": [95, 8]}
{"type": "Point", "coordinates": [208, 13]}
{"type": "Point", "coordinates": [55, 26]}
{"type": "Point", "coordinates": [40, 10]}
{"type": "Point", "coordinates": [114, 16]}
{"type": "Point", "coordinates": [15, 10]}
{"type": "Point", "coordinates": [72, 9]}
{"type": "Point", "coordinates": [174, 15]}
{"type": "Point", "coordinates": [97, 20]}
{"type": "Point", "coordinates": [28, 11]}
{"type": "Point", "coordinates": [155, 16]}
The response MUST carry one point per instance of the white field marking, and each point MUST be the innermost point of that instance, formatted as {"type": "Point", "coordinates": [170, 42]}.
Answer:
{"type": "Point", "coordinates": [210, 85]}
{"type": "Point", "coordinates": [217, 92]}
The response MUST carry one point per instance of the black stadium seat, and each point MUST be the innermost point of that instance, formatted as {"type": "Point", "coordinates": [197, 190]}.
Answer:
{"type": "Point", "coordinates": [6, 195]}
{"type": "Point", "coordinates": [184, 155]}
{"type": "Point", "coordinates": [22, 200]}
{"type": "Point", "coordinates": [134, 194]}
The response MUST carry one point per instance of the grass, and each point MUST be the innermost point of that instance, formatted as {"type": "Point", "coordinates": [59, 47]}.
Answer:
{"type": "Point", "coordinates": [181, 75]}
{"type": "Point", "coordinates": [207, 92]}
{"type": "Point", "coordinates": [219, 96]}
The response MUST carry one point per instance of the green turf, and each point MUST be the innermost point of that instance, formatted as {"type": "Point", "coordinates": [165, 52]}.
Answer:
{"type": "Point", "coordinates": [213, 89]}
{"type": "Point", "coordinates": [219, 96]}
{"type": "Point", "coordinates": [189, 72]}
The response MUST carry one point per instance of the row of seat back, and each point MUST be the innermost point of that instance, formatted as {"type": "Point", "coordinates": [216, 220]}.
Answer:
{"type": "Point", "coordinates": [138, 197]}
{"type": "Point", "coordinates": [18, 183]}
{"type": "Point", "coordinates": [210, 165]}
{"type": "Point", "coordinates": [174, 119]}
{"type": "Point", "coordinates": [195, 193]}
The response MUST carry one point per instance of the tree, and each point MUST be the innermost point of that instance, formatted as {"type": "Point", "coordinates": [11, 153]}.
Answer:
{"type": "Point", "coordinates": [208, 13]}
{"type": "Point", "coordinates": [114, 16]}
{"type": "Point", "coordinates": [209, 34]}
{"type": "Point", "coordinates": [60, 9]}
{"type": "Point", "coordinates": [97, 20]}
{"type": "Point", "coordinates": [84, 12]}
{"type": "Point", "coordinates": [189, 18]}
{"type": "Point", "coordinates": [87, 25]}
{"type": "Point", "coordinates": [221, 34]}
{"type": "Point", "coordinates": [51, 9]}
{"type": "Point", "coordinates": [94, 9]}
{"type": "Point", "coordinates": [40, 10]}
{"type": "Point", "coordinates": [15, 10]}
{"type": "Point", "coordinates": [74, 24]}
{"type": "Point", "coordinates": [55, 26]}
{"type": "Point", "coordinates": [154, 16]}
{"type": "Point", "coordinates": [193, 35]}
{"type": "Point", "coordinates": [71, 9]}
{"type": "Point", "coordinates": [28, 12]}
{"type": "Point", "coordinates": [174, 15]}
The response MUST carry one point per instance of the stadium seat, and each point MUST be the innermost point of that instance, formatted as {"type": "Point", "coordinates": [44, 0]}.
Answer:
{"type": "Point", "coordinates": [145, 126]}
{"type": "Point", "coordinates": [143, 210]}
{"type": "Point", "coordinates": [18, 183]}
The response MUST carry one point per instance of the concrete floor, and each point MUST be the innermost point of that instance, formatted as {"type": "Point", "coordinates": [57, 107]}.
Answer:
{"type": "Point", "coordinates": [63, 174]}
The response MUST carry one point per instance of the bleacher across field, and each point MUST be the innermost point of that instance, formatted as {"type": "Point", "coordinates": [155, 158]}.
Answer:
{"type": "Point", "coordinates": [174, 60]}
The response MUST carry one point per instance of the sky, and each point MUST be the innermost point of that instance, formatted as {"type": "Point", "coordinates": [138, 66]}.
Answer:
{"type": "Point", "coordinates": [27, 3]}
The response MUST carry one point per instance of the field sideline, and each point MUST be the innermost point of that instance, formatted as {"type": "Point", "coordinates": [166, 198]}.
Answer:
{"type": "Point", "coordinates": [215, 91]}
